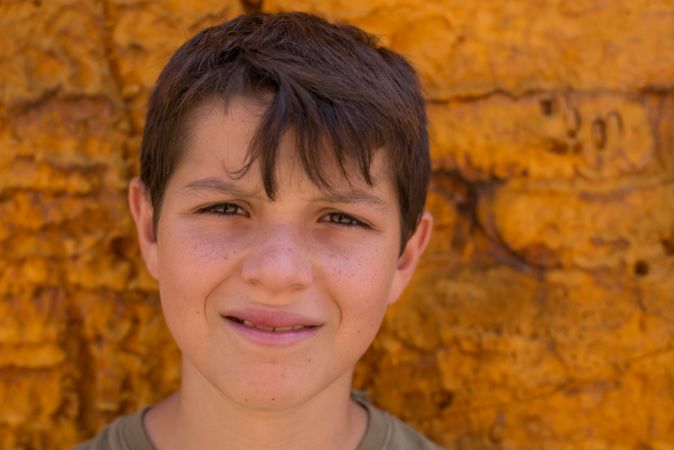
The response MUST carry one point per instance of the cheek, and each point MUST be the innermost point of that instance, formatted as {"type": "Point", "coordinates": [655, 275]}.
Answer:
{"type": "Point", "coordinates": [363, 257]}
{"type": "Point", "coordinates": [360, 277]}
{"type": "Point", "coordinates": [191, 252]}
{"type": "Point", "coordinates": [192, 263]}
{"type": "Point", "coordinates": [359, 284]}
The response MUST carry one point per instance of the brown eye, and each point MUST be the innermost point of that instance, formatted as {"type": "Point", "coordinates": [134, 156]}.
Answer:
{"type": "Point", "coordinates": [224, 209]}
{"type": "Point", "coordinates": [342, 219]}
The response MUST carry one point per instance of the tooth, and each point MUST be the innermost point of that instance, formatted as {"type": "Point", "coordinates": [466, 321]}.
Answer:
{"type": "Point", "coordinates": [250, 324]}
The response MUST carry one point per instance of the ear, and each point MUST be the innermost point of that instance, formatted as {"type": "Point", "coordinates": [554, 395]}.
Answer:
{"type": "Point", "coordinates": [410, 256]}
{"type": "Point", "coordinates": [142, 212]}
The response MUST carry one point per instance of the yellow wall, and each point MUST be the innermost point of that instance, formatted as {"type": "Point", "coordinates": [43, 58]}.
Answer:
{"type": "Point", "coordinates": [542, 316]}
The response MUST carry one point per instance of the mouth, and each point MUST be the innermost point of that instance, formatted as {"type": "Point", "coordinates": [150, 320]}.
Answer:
{"type": "Point", "coordinates": [267, 328]}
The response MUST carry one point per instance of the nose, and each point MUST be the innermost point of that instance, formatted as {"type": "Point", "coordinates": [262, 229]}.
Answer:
{"type": "Point", "coordinates": [279, 261]}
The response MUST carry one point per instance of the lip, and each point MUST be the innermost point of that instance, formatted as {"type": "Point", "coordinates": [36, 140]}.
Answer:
{"type": "Point", "coordinates": [271, 328]}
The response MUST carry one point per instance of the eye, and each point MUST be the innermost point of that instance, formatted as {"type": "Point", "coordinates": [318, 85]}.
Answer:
{"type": "Point", "coordinates": [224, 209]}
{"type": "Point", "coordinates": [339, 218]}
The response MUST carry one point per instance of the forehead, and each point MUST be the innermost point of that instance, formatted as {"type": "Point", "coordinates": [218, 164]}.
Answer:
{"type": "Point", "coordinates": [224, 131]}
{"type": "Point", "coordinates": [216, 128]}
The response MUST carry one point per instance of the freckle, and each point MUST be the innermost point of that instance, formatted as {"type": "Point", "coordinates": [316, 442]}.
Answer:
{"type": "Point", "coordinates": [273, 399]}
{"type": "Point", "coordinates": [245, 400]}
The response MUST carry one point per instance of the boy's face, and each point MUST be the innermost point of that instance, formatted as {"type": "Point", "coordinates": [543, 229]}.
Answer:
{"type": "Point", "coordinates": [271, 302]}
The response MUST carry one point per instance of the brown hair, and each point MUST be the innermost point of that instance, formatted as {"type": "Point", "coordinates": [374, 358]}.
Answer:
{"type": "Point", "coordinates": [343, 95]}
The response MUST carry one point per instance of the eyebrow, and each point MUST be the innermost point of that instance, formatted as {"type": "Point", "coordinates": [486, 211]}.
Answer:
{"type": "Point", "coordinates": [352, 197]}
{"type": "Point", "coordinates": [218, 185]}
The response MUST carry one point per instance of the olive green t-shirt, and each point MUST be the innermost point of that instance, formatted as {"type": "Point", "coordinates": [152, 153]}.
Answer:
{"type": "Point", "coordinates": [384, 432]}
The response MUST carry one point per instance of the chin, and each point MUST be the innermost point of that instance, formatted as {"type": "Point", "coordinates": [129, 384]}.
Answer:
{"type": "Point", "coordinates": [269, 395]}
{"type": "Point", "coordinates": [279, 388]}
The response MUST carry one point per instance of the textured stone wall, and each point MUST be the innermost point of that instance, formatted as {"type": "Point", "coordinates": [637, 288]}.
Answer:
{"type": "Point", "coordinates": [542, 316]}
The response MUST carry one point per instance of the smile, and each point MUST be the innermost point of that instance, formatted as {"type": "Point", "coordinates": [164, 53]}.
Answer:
{"type": "Point", "coordinates": [266, 328]}
{"type": "Point", "coordinates": [271, 329]}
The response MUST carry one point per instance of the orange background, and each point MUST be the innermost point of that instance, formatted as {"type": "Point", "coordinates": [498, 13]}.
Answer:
{"type": "Point", "coordinates": [542, 316]}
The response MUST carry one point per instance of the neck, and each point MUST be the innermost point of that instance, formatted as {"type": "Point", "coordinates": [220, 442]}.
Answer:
{"type": "Point", "coordinates": [199, 416]}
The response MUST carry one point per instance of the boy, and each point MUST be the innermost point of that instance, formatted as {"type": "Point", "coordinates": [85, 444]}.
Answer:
{"type": "Point", "coordinates": [284, 170]}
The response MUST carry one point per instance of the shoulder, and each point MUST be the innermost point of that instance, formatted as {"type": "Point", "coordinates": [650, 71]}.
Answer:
{"type": "Point", "coordinates": [125, 433]}
{"type": "Point", "coordinates": [385, 432]}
